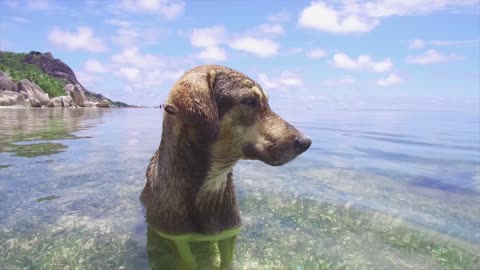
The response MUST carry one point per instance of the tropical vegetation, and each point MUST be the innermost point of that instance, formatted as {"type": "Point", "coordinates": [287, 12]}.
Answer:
{"type": "Point", "coordinates": [16, 68]}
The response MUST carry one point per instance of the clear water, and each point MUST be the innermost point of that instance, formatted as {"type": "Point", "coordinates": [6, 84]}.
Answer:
{"type": "Point", "coordinates": [377, 190]}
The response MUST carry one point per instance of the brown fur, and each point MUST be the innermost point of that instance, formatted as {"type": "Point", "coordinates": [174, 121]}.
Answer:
{"type": "Point", "coordinates": [214, 117]}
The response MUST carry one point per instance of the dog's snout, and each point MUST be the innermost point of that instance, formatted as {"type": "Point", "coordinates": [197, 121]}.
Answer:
{"type": "Point", "coordinates": [302, 143]}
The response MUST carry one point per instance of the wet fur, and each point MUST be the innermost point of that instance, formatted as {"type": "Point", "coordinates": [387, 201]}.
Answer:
{"type": "Point", "coordinates": [206, 130]}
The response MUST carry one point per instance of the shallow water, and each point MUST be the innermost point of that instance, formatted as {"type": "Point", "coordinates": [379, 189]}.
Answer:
{"type": "Point", "coordinates": [377, 190]}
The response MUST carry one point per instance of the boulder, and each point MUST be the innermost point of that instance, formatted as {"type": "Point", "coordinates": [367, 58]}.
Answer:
{"type": "Point", "coordinates": [33, 102]}
{"type": "Point", "coordinates": [9, 98]}
{"type": "Point", "coordinates": [78, 96]}
{"type": "Point", "coordinates": [89, 104]}
{"type": "Point", "coordinates": [67, 101]}
{"type": "Point", "coordinates": [60, 102]}
{"type": "Point", "coordinates": [68, 88]}
{"type": "Point", "coordinates": [6, 84]}
{"type": "Point", "coordinates": [33, 91]}
{"type": "Point", "coordinates": [103, 104]}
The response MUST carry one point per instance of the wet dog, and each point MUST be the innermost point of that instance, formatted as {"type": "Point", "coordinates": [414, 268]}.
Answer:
{"type": "Point", "coordinates": [214, 117]}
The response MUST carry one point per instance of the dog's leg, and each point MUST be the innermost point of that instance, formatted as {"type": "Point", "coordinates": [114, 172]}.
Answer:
{"type": "Point", "coordinates": [187, 261]}
{"type": "Point", "coordinates": [226, 247]}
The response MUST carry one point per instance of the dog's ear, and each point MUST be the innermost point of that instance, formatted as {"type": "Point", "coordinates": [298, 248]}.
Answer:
{"type": "Point", "coordinates": [192, 100]}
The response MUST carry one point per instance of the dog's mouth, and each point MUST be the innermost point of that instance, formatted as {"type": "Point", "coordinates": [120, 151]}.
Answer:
{"type": "Point", "coordinates": [277, 153]}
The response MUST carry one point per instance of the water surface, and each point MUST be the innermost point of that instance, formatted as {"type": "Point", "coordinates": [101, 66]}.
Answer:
{"type": "Point", "coordinates": [377, 190]}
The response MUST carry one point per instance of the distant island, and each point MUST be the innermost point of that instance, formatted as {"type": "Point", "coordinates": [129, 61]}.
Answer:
{"type": "Point", "coordinates": [39, 80]}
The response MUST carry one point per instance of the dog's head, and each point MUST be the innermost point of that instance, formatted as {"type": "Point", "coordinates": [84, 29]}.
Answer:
{"type": "Point", "coordinates": [230, 111]}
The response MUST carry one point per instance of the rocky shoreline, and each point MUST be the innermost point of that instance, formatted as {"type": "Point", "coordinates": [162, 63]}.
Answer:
{"type": "Point", "coordinates": [25, 93]}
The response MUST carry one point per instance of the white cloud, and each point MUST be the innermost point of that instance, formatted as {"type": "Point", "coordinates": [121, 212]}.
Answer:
{"type": "Point", "coordinates": [95, 66]}
{"type": "Point", "coordinates": [208, 36]}
{"type": "Point", "coordinates": [140, 75]}
{"type": "Point", "coordinates": [280, 17]}
{"type": "Point", "coordinates": [168, 9]}
{"type": "Point", "coordinates": [129, 36]}
{"type": "Point", "coordinates": [293, 51]}
{"type": "Point", "coordinates": [258, 41]}
{"type": "Point", "coordinates": [83, 39]}
{"type": "Point", "coordinates": [270, 29]}
{"type": "Point", "coordinates": [363, 62]}
{"type": "Point", "coordinates": [129, 73]}
{"type": "Point", "coordinates": [321, 17]}
{"type": "Point", "coordinates": [392, 79]}
{"type": "Point", "coordinates": [38, 4]}
{"type": "Point", "coordinates": [441, 43]}
{"type": "Point", "coordinates": [417, 44]}
{"type": "Point", "coordinates": [338, 82]}
{"type": "Point", "coordinates": [265, 81]}
{"type": "Point", "coordinates": [133, 57]}
{"type": "Point", "coordinates": [359, 16]}
{"type": "Point", "coordinates": [316, 53]}
{"type": "Point", "coordinates": [432, 57]}
{"type": "Point", "coordinates": [212, 53]}
{"type": "Point", "coordinates": [116, 22]}
{"type": "Point", "coordinates": [146, 75]}
{"type": "Point", "coordinates": [144, 71]}
{"type": "Point", "coordinates": [19, 20]}
{"type": "Point", "coordinates": [285, 80]}
{"type": "Point", "coordinates": [386, 8]}
{"type": "Point", "coordinates": [88, 80]}
{"type": "Point", "coordinates": [259, 47]}
{"type": "Point", "coordinates": [126, 37]}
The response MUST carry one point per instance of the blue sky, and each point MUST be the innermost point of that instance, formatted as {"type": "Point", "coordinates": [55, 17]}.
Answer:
{"type": "Point", "coordinates": [318, 54]}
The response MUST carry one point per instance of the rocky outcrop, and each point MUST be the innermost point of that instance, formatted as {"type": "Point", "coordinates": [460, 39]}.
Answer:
{"type": "Point", "coordinates": [59, 70]}
{"type": "Point", "coordinates": [31, 90]}
{"type": "Point", "coordinates": [29, 94]}
{"type": "Point", "coordinates": [68, 88]}
{"type": "Point", "coordinates": [10, 98]}
{"type": "Point", "coordinates": [32, 102]}
{"type": "Point", "coordinates": [77, 94]}
{"type": "Point", "coordinates": [52, 66]}
{"type": "Point", "coordinates": [61, 102]}
{"type": "Point", "coordinates": [6, 84]}
{"type": "Point", "coordinates": [103, 104]}
{"type": "Point", "coordinates": [32, 93]}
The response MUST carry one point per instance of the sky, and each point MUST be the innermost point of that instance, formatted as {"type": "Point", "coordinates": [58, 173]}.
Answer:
{"type": "Point", "coordinates": [344, 54]}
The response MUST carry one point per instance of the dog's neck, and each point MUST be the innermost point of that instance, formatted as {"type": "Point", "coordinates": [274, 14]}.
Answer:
{"type": "Point", "coordinates": [217, 176]}
{"type": "Point", "coordinates": [205, 165]}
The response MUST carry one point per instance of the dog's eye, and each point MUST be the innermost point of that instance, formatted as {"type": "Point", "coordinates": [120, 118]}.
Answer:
{"type": "Point", "coordinates": [250, 102]}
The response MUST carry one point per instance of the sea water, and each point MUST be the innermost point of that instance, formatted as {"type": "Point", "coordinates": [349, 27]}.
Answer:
{"type": "Point", "coordinates": [378, 189]}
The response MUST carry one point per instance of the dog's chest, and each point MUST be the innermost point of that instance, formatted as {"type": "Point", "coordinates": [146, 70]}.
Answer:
{"type": "Point", "coordinates": [217, 177]}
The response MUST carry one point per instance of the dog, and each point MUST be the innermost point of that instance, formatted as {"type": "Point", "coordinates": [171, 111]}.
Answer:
{"type": "Point", "coordinates": [214, 117]}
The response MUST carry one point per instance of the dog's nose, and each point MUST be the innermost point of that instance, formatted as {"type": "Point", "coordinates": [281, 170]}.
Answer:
{"type": "Point", "coordinates": [302, 144]}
